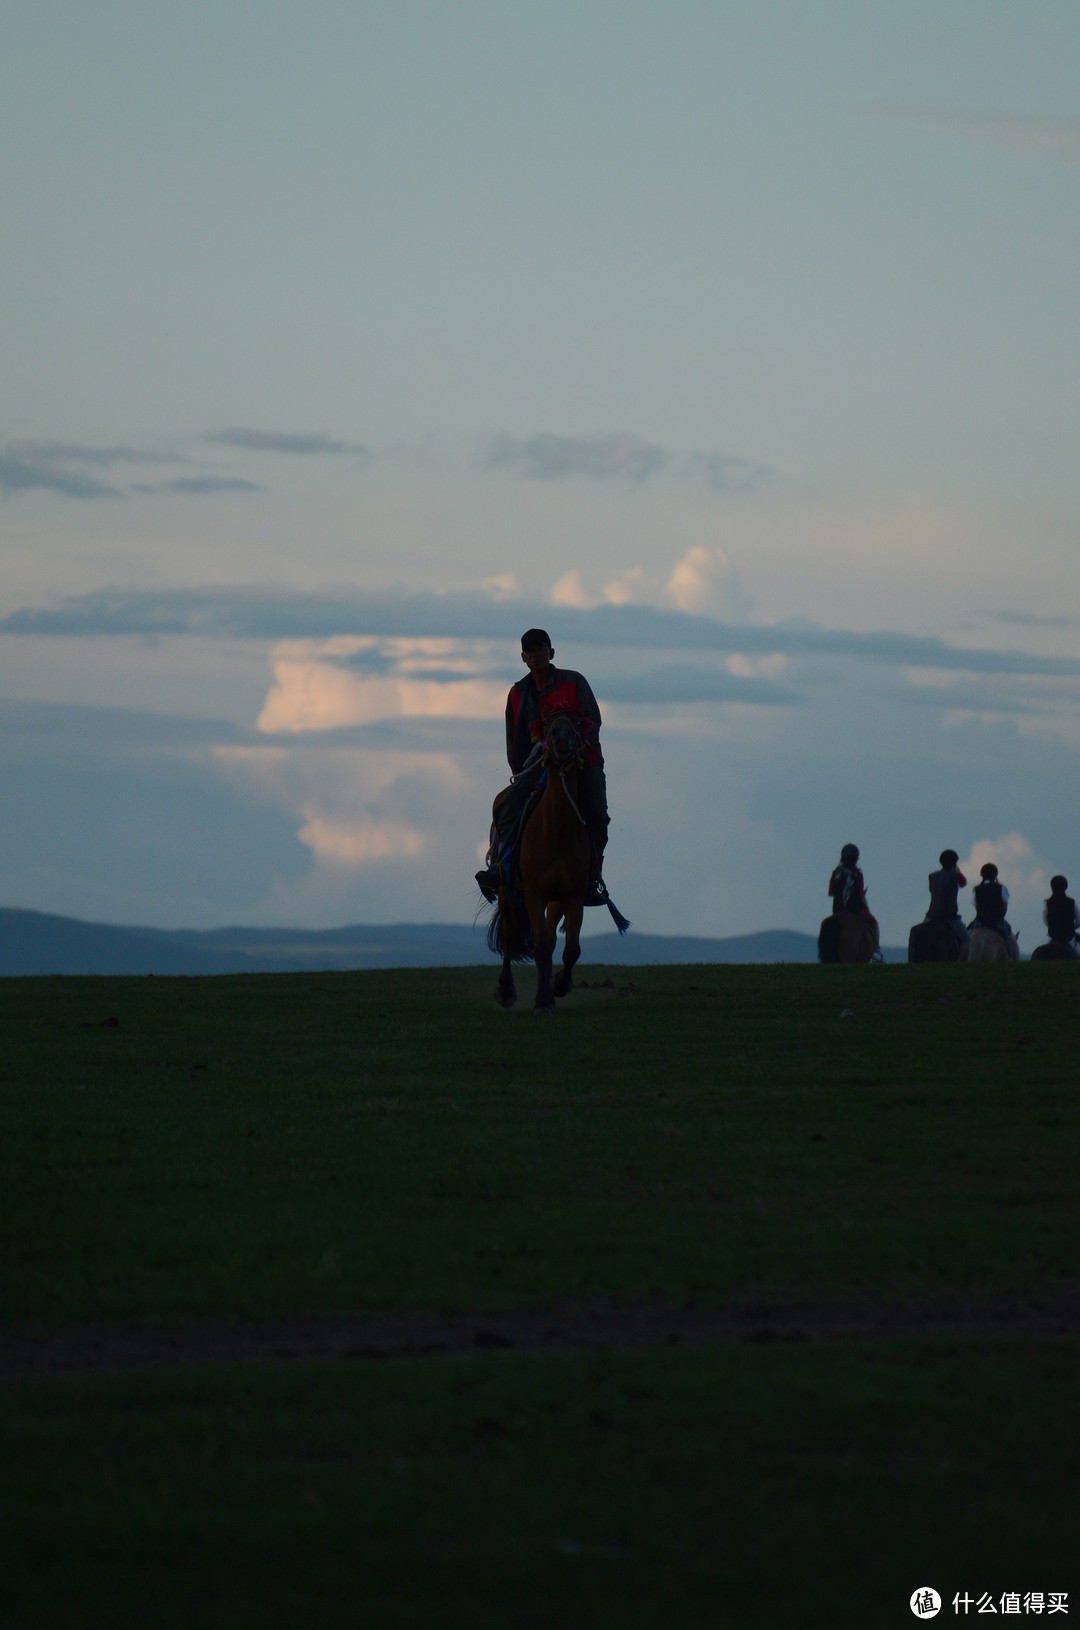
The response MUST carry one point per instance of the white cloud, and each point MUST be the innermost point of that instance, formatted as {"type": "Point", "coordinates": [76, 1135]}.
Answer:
{"type": "Point", "coordinates": [1014, 857]}
{"type": "Point", "coordinates": [702, 582]}
{"type": "Point", "coordinates": [314, 689]}
{"type": "Point", "coordinates": [569, 590]}
{"type": "Point", "coordinates": [761, 667]}
{"type": "Point", "coordinates": [339, 843]}
{"type": "Point", "coordinates": [505, 586]}
{"type": "Point", "coordinates": [634, 588]}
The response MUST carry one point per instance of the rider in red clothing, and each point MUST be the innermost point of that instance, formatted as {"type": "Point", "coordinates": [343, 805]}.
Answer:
{"type": "Point", "coordinates": [543, 691]}
{"type": "Point", "coordinates": [848, 890]}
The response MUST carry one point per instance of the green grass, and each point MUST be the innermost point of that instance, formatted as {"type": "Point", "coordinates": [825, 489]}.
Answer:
{"type": "Point", "coordinates": [330, 1143]}
{"type": "Point", "coordinates": [787, 1485]}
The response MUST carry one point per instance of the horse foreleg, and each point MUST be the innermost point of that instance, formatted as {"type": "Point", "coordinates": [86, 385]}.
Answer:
{"type": "Point", "coordinates": [564, 981]}
{"type": "Point", "coordinates": [545, 994]}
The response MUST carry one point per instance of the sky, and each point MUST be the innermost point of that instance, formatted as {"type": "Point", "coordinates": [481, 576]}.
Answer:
{"type": "Point", "coordinates": [734, 343]}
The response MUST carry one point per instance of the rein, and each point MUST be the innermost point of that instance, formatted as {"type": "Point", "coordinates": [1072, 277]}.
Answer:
{"type": "Point", "coordinates": [577, 763]}
{"type": "Point", "coordinates": [569, 799]}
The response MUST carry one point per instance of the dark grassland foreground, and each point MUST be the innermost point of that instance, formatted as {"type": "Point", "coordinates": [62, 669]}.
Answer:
{"type": "Point", "coordinates": [861, 1232]}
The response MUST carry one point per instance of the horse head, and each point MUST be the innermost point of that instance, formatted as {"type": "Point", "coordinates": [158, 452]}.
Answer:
{"type": "Point", "coordinates": [564, 744]}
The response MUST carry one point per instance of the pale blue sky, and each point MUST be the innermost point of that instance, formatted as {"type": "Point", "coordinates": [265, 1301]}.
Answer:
{"type": "Point", "coordinates": [750, 312]}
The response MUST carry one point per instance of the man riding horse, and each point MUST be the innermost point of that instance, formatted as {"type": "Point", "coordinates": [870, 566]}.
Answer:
{"type": "Point", "coordinates": [544, 691]}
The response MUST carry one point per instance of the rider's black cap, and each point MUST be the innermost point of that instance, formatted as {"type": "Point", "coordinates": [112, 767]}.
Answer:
{"type": "Point", "coordinates": [535, 636]}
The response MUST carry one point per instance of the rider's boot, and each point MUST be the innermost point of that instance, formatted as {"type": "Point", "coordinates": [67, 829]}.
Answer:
{"type": "Point", "coordinates": [596, 893]}
{"type": "Point", "coordinates": [487, 882]}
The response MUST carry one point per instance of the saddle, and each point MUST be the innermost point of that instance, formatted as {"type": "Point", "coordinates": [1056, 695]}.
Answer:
{"type": "Point", "coordinates": [504, 849]}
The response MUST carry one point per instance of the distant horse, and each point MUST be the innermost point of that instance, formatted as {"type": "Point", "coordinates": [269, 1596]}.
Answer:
{"type": "Point", "coordinates": [1055, 951]}
{"type": "Point", "coordinates": [554, 867]}
{"type": "Point", "coordinates": [987, 945]}
{"type": "Point", "coordinates": [846, 937]}
{"type": "Point", "coordinates": [931, 941]}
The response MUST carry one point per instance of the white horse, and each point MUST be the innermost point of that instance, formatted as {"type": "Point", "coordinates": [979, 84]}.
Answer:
{"type": "Point", "coordinates": [989, 946]}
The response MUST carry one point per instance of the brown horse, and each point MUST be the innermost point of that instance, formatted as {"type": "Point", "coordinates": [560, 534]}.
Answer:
{"type": "Point", "coordinates": [1055, 951]}
{"type": "Point", "coordinates": [846, 937]}
{"type": "Point", "coordinates": [554, 866]}
{"type": "Point", "coordinates": [933, 940]}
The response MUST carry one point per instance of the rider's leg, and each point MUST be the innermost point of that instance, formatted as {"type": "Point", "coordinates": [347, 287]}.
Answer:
{"type": "Point", "coordinates": [506, 813]}
{"type": "Point", "coordinates": [593, 785]}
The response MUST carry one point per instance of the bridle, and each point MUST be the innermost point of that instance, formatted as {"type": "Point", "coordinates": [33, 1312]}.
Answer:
{"type": "Point", "coordinates": [564, 749]}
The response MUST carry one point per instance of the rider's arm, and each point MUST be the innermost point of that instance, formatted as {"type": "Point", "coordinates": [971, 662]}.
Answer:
{"type": "Point", "coordinates": [588, 704]}
{"type": "Point", "coordinates": [588, 710]}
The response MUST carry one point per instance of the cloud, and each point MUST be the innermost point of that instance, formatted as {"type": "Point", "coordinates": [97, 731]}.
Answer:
{"type": "Point", "coordinates": [702, 581]}
{"type": "Point", "coordinates": [1029, 619]}
{"type": "Point", "coordinates": [1029, 135]}
{"type": "Point", "coordinates": [338, 843]}
{"type": "Point", "coordinates": [342, 685]}
{"type": "Point", "coordinates": [312, 691]}
{"type": "Point", "coordinates": [279, 614]}
{"type": "Point", "coordinates": [727, 474]}
{"type": "Point", "coordinates": [21, 474]}
{"type": "Point", "coordinates": [60, 726]}
{"type": "Point", "coordinates": [275, 441]}
{"type": "Point", "coordinates": [99, 807]}
{"type": "Point", "coordinates": [55, 466]}
{"type": "Point", "coordinates": [66, 452]}
{"type": "Point", "coordinates": [1015, 859]}
{"type": "Point", "coordinates": [953, 698]}
{"type": "Point", "coordinates": [552, 458]}
{"type": "Point", "coordinates": [201, 485]}
{"type": "Point", "coordinates": [680, 683]}
{"type": "Point", "coordinates": [503, 587]}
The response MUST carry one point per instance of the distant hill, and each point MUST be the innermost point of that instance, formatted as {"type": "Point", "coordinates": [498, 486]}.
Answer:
{"type": "Point", "coordinates": [32, 942]}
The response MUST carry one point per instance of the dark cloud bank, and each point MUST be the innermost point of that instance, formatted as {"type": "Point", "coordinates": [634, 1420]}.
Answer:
{"type": "Point", "coordinates": [276, 441]}
{"type": "Point", "coordinates": [551, 458]}
{"type": "Point", "coordinates": [53, 466]}
{"type": "Point", "coordinates": [244, 613]}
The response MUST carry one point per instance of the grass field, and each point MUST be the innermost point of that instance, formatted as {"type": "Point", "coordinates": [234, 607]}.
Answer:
{"type": "Point", "coordinates": [771, 1274]}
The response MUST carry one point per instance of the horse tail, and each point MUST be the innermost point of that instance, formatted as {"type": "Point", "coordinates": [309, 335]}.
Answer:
{"type": "Point", "coordinates": [509, 930]}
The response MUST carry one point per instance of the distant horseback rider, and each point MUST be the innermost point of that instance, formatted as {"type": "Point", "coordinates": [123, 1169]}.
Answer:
{"type": "Point", "coordinates": [1061, 915]}
{"type": "Point", "coordinates": [945, 886]}
{"type": "Point", "coordinates": [850, 933]}
{"type": "Point", "coordinates": [848, 890]}
{"type": "Point", "coordinates": [991, 902]}
{"type": "Point", "coordinates": [546, 690]}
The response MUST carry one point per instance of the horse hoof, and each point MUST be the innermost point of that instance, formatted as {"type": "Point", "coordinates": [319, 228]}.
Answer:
{"type": "Point", "coordinates": [544, 1012]}
{"type": "Point", "coordinates": [563, 987]}
{"type": "Point", "coordinates": [505, 998]}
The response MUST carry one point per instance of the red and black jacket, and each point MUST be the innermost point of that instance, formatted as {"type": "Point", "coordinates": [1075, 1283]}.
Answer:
{"type": "Point", "coordinates": [527, 708]}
